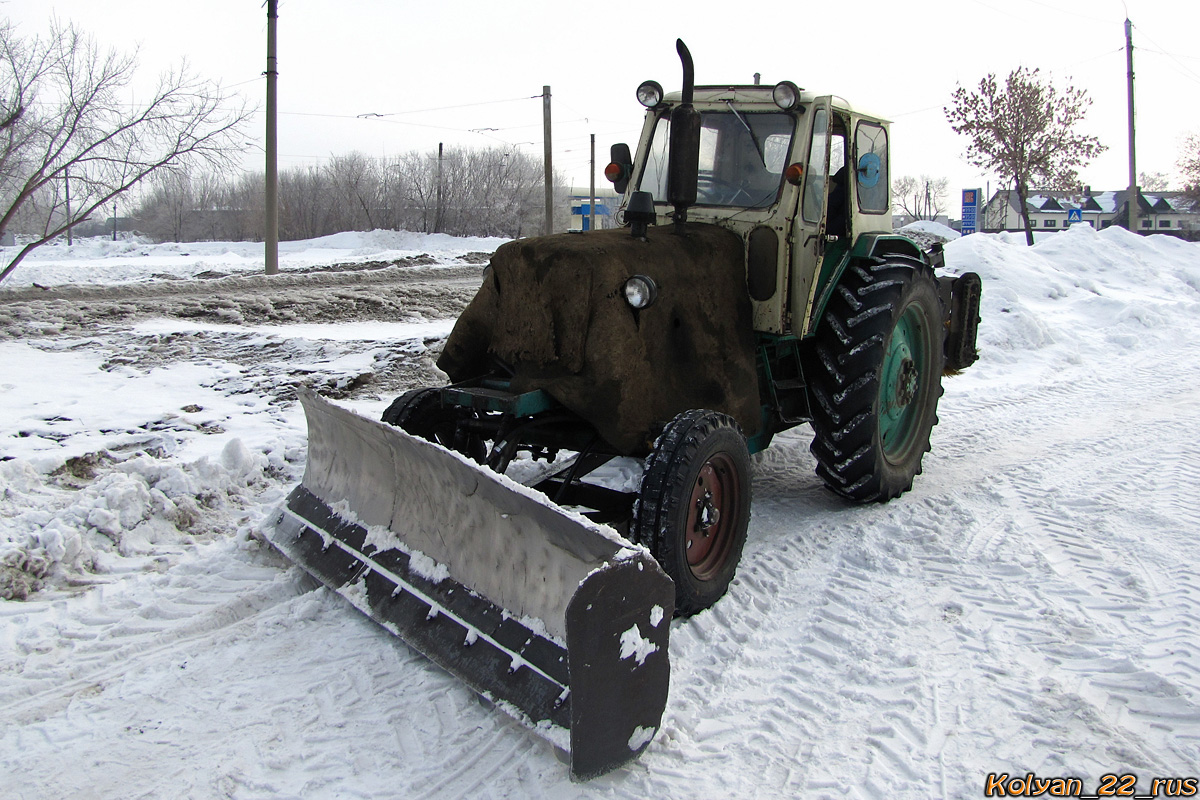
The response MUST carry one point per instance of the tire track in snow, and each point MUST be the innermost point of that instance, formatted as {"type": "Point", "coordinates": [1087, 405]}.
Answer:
{"type": "Point", "coordinates": [1009, 577]}
{"type": "Point", "coordinates": [817, 596]}
{"type": "Point", "coordinates": [1082, 595]}
{"type": "Point", "coordinates": [113, 628]}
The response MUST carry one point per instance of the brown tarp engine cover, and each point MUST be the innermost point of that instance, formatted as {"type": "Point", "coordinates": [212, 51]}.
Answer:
{"type": "Point", "coordinates": [553, 309]}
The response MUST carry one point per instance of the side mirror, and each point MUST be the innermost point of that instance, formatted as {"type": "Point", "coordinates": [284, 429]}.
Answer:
{"type": "Point", "coordinates": [620, 168]}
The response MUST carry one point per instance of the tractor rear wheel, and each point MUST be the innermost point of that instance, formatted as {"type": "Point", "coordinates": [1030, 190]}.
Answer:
{"type": "Point", "coordinates": [694, 506]}
{"type": "Point", "coordinates": [876, 379]}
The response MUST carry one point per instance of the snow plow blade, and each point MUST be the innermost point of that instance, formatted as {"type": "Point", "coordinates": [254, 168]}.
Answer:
{"type": "Point", "coordinates": [559, 621]}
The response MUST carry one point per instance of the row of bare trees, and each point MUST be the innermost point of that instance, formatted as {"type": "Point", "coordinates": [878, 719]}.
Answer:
{"type": "Point", "coordinates": [464, 192]}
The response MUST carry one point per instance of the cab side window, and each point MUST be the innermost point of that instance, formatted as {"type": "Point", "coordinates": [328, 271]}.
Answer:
{"type": "Point", "coordinates": [871, 168]}
{"type": "Point", "coordinates": [814, 181]}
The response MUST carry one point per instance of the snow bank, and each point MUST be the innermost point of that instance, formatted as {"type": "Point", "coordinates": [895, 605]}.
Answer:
{"type": "Point", "coordinates": [1080, 289]}
{"type": "Point", "coordinates": [933, 228]}
{"type": "Point", "coordinates": [100, 260]}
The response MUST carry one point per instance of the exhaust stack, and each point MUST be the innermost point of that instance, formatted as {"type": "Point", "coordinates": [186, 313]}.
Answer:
{"type": "Point", "coordinates": [684, 166]}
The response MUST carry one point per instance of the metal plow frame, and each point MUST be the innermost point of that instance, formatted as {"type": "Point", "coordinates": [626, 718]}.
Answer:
{"type": "Point", "coordinates": [582, 658]}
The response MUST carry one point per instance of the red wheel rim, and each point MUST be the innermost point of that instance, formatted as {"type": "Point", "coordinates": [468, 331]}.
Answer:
{"type": "Point", "coordinates": [712, 515]}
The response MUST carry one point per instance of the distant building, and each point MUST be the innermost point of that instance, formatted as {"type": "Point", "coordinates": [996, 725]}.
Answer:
{"type": "Point", "coordinates": [607, 202]}
{"type": "Point", "coordinates": [1159, 212]}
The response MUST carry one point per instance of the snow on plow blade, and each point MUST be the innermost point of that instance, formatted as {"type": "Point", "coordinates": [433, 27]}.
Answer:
{"type": "Point", "coordinates": [559, 621]}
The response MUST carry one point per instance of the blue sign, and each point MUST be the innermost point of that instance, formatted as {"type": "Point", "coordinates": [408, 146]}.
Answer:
{"type": "Point", "coordinates": [970, 210]}
{"type": "Point", "coordinates": [1074, 215]}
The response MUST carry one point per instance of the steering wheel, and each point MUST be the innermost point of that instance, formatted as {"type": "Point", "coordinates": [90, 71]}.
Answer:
{"type": "Point", "coordinates": [730, 195]}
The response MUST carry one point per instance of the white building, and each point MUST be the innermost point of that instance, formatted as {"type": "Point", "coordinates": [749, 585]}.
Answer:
{"type": "Point", "coordinates": [1159, 212]}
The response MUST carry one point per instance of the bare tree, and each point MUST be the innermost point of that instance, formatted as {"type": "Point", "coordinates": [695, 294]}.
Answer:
{"type": "Point", "coordinates": [171, 199]}
{"type": "Point", "coordinates": [65, 115]}
{"type": "Point", "coordinates": [1189, 165]}
{"type": "Point", "coordinates": [1025, 131]}
{"type": "Point", "coordinates": [356, 186]}
{"type": "Point", "coordinates": [1152, 181]}
{"type": "Point", "coordinates": [921, 198]}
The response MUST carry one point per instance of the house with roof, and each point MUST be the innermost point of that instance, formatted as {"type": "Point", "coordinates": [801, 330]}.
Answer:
{"type": "Point", "coordinates": [1159, 212]}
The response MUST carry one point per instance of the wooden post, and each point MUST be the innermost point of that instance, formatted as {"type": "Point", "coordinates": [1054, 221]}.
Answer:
{"type": "Point", "coordinates": [437, 215]}
{"type": "Point", "coordinates": [1133, 189]}
{"type": "Point", "coordinates": [549, 226]}
{"type": "Point", "coordinates": [272, 189]}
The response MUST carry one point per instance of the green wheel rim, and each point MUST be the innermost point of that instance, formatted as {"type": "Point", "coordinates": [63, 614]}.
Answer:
{"type": "Point", "coordinates": [901, 386]}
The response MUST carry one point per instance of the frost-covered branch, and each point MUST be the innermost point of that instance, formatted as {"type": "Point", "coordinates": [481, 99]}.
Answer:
{"type": "Point", "coordinates": [64, 118]}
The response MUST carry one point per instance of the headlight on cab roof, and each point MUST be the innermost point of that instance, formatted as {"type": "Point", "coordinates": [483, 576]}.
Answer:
{"type": "Point", "coordinates": [786, 95]}
{"type": "Point", "coordinates": [640, 292]}
{"type": "Point", "coordinates": [650, 94]}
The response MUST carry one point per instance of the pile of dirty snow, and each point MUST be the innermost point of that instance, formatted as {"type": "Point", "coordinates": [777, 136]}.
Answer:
{"type": "Point", "coordinates": [107, 512]}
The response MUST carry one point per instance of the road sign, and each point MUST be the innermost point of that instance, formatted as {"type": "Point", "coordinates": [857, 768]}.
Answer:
{"type": "Point", "coordinates": [1074, 215]}
{"type": "Point", "coordinates": [970, 210]}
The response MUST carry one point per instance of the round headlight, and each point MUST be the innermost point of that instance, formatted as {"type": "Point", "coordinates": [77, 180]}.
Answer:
{"type": "Point", "coordinates": [650, 94]}
{"type": "Point", "coordinates": [640, 291]}
{"type": "Point", "coordinates": [786, 95]}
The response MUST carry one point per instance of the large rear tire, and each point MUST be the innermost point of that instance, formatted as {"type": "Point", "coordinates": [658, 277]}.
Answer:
{"type": "Point", "coordinates": [694, 506]}
{"type": "Point", "coordinates": [876, 379]}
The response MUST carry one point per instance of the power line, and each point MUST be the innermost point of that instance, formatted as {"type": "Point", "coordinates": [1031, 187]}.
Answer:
{"type": "Point", "coordinates": [449, 108]}
{"type": "Point", "coordinates": [1189, 73]}
{"type": "Point", "coordinates": [255, 79]}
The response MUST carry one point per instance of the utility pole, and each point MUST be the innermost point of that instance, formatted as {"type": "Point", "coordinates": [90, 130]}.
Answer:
{"type": "Point", "coordinates": [549, 227]}
{"type": "Point", "coordinates": [437, 215]}
{"type": "Point", "coordinates": [272, 193]}
{"type": "Point", "coordinates": [1133, 189]}
{"type": "Point", "coordinates": [592, 203]}
{"type": "Point", "coordinates": [114, 220]}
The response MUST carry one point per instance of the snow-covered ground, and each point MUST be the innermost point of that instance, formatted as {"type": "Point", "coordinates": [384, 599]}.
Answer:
{"type": "Point", "coordinates": [1031, 606]}
{"type": "Point", "coordinates": [100, 260]}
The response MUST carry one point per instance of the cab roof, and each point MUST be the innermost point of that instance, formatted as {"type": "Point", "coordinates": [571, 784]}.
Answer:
{"type": "Point", "coordinates": [752, 94]}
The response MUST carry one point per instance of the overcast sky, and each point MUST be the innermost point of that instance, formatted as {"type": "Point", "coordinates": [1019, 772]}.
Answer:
{"type": "Point", "coordinates": [339, 59]}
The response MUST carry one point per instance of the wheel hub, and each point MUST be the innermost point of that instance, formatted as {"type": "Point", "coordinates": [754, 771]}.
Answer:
{"type": "Point", "coordinates": [708, 515]}
{"type": "Point", "coordinates": [906, 383]}
{"type": "Point", "coordinates": [714, 496]}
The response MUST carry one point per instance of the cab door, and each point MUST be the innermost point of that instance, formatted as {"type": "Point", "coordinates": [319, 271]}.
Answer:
{"type": "Point", "coordinates": [809, 224]}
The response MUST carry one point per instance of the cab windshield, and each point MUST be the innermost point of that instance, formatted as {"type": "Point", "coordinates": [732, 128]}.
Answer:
{"type": "Point", "coordinates": [742, 158]}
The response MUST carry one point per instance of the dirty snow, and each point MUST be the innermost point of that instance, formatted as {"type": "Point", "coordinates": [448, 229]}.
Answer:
{"type": "Point", "coordinates": [1029, 607]}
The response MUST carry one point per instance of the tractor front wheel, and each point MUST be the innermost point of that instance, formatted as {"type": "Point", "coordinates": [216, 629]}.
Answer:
{"type": "Point", "coordinates": [420, 412]}
{"type": "Point", "coordinates": [694, 506]}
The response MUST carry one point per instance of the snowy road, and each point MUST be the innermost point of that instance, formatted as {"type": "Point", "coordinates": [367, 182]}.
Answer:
{"type": "Point", "coordinates": [1031, 606]}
